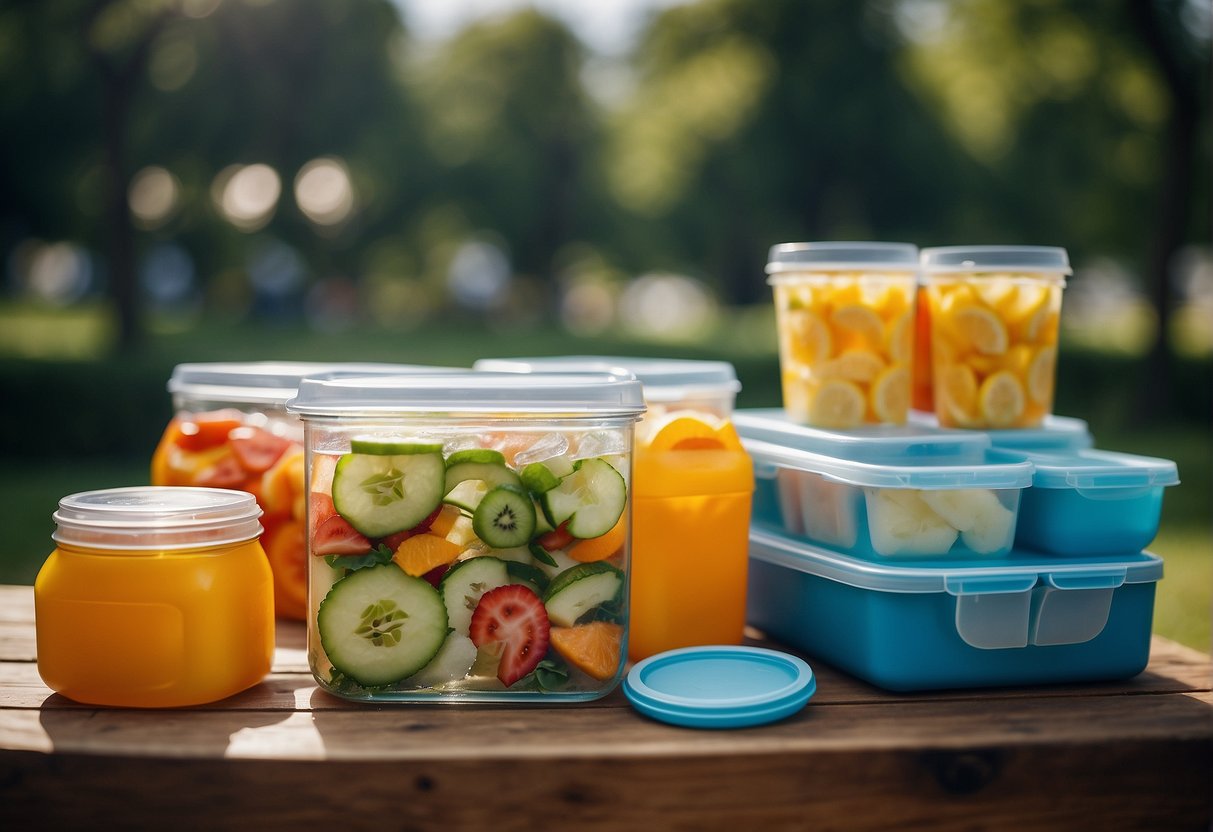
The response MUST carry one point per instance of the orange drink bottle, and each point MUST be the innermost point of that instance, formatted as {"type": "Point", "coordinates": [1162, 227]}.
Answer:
{"type": "Point", "coordinates": [693, 489]}
{"type": "Point", "coordinates": [845, 317]}
{"type": "Point", "coordinates": [154, 597]}
{"type": "Point", "coordinates": [995, 315]}
{"type": "Point", "coordinates": [231, 430]}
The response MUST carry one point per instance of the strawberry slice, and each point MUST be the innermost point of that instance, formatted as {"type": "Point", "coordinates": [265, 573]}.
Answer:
{"type": "Point", "coordinates": [514, 616]}
{"type": "Point", "coordinates": [557, 538]}
{"type": "Point", "coordinates": [256, 449]}
{"type": "Point", "coordinates": [332, 534]}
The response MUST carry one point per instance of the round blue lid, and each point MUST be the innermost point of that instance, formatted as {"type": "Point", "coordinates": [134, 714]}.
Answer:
{"type": "Point", "coordinates": [720, 686]}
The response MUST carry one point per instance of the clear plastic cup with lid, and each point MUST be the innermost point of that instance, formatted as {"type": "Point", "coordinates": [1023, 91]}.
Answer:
{"type": "Point", "coordinates": [155, 597]}
{"type": "Point", "coordinates": [845, 318]}
{"type": "Point", "coordinates": [468, 534]}
{"type": "Point", "coordinates": [230, 429]}
{"type": "Point", "coordinates": [694, 488]}
{"type": "Point", "coordinates": [995, 315]}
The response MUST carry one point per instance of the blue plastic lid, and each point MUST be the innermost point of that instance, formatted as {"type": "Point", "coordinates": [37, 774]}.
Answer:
{"type": "Point", "coordinates": [720, 686]}
{"type": "Point", "coordinates": [1092, 469]}
{"type": "Point", "coordinates": [869, 443]}
{"type": "Point", "coordinates": [1055, 432]}
{"type": "Point", "coordinates": [664, 379]}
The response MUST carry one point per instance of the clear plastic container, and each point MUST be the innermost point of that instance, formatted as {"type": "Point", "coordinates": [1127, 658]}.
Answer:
{"type": "Point", "coordinates": [845, 314]}
{"type": "Point", "coordinates": [1055, 433]}
{"type": "Point", "coordinates": [231, 430]}
{"type": "Point", "coordinates": [902, 493]}
{"type": "Point", "coordinates": [1016, 620]}
{"type": "Point", "coordinates": [468, 534]}
{"type": "Point", "coordinates": [692, 500]}
{"type": "Point", "coordinates": [1089, 502]}
{"type": "Point", "coordinates": [154, 597]}
{"type": "Point", "coordinates": [995, 314]}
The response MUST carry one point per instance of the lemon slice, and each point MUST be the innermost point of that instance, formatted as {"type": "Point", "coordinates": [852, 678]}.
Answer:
{"type": "Point", "coordinates": [997, 292]}
{"type": "Point", "coordinates": [1001, 399]}
{"type": "Point", "coordinates": [808, 337]}
{"type": "Point", "coordinates": [861, 321]}
{"type": "Point", "coordinates": [837, 404]}
{"type": "Point", "coordinates": [853, 365]}
{"type": "Point", "coordinates": [891, 394]}
{"type": "Point", "coordinates": [900, 341]}
{"type": "Point", "coordinates": [956, 391]}
{"type": "Point", "coordinates": [981, 328]}
{"type": "Point", "coordinates": [1040, 375]}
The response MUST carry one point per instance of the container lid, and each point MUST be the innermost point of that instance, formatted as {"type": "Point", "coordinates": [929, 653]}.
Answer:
{"type": "Point", "coordinates": [564, 395]}
{"type": "Point", "coordinates": [257, 382]}
{"type": "Point", "coordinates": [1055, 432]}
{"type": "Point", "coordinates": [1092, 469]}
{"type": "Point", "coordinates": [157, 517]}
{"type": "Point", "coordinates": [870, 443]}
{"type": "Point", "coordinates": [842, 256]}
{"type": "Point", "coordinates": [664, 379]}
{"type": "Point", "coordinates": [1043, 260]}
{"type": "Point", "coordinates": [1017, 571]}
{"type": "Point", "coordinates": [922, 472]}
{"type": "Point", "coordinates": [720, 686]}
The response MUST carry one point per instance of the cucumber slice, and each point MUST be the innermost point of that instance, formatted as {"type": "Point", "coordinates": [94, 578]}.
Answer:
{"type": "Point", "coordinates": [538, 478]}
{"type": "Point", "coordinates": [591, 499]}
{"type": "Point", "coordinates": [528, 575]}
{"type": "Point", "coordinates": [381, 494]}
{"type": "Point", "coordinates": [379, 625]}
{"type": "Point", "coordinates": [505, 517]}
{"type": "Point", "coordinates": [486, 456]}
{"type": "Point", "coordinates": [576, 591]}
{"type": "Point", "coordinates": [492, 473]}
{"type": "Point", "coordinates": [467, 495]}
{"type": "Point", "coordinates": [542, 526]}
{"type": "Point", "coordinates": [464, 583]}
{"type": "Point", "coordinates": [382, 447]}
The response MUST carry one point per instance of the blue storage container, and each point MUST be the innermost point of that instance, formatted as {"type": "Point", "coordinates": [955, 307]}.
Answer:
{"type": "Point", "coordinates": [883, 492]}
{"type": "Point", "coordinates": [1055, 433]}
{"type": "Point", "coordinates": [1021, 619]}
{"type": "Point", "coordinates": [1091, 502]}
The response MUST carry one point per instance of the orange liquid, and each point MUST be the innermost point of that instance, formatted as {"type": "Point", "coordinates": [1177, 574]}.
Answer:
{"type": "Point", "coordinates": [690, 536]}
{"type": "Point", "coordinates": [154, 629]}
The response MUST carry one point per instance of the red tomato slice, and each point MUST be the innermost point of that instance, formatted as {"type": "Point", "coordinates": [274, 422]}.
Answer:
{"type": "Point", "coordinates": [206, 430]}
{"type": "Point", "coordinates": [256, 449]}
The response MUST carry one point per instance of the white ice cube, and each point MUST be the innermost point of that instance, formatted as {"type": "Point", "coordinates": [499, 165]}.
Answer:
{"type": "Point", "coordinates": [546, 447]}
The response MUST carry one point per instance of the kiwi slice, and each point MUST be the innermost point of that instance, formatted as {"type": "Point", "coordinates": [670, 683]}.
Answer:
{"type": "Point", "coordinates": [505, 517]}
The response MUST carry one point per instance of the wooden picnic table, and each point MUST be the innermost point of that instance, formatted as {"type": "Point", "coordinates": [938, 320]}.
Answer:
{"type": "Point", "coordinates": [1135, 754]}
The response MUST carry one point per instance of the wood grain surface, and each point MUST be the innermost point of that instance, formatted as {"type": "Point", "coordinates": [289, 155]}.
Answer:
{"type": "Point", "coordinates": [1136, 754]}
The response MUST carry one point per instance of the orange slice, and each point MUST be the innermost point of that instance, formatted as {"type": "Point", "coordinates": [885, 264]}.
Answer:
{"type": "Point", "coordinates": [1040, 375]}
{"type": "Point", "coordinates": [445, 521]}
{"type": "Point", "coordinates": [891, 395]}
{"type": "Point", "coordinates": [592, 648]}
{"type": "Point", "coordinates": [423, 552]}
{"type": "Point", "coordinates": [1001, 399]}
{"type": "Point", "coordinates": [283, 482]}
{"type": "Point", "coordinates": [286, 550]}
{"type": "Point", "coordinates": [685, 430]}
{"type": "Point", "coordinates": [601, 547]}
{"type": "Point", "coordinates": [837, 404]}
{"type": "Point", "coordinates": [854, 365]}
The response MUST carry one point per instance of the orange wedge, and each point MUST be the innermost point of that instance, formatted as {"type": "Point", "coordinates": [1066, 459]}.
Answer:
{"type": "Point", "coordinates": [601, 547]}
{"type": "Point", "coordinates": [592, 648]}
{"type": "Point", "coordinates": [445, 521]}
{"type": "Point", "coordinates": [423, 552]}
{"type": "Point", "coordinates": [286, 551]}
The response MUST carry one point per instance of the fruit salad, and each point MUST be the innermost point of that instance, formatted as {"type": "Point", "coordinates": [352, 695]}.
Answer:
{"type": "Point", "coordinates": [479, 562]}
{"type": "Point", "coordinates": [258, 452]}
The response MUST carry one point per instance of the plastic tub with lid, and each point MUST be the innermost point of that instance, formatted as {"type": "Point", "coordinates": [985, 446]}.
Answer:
{"type": "Point", "coordinates": [1016, 620]}
{"type": "Point", "coordinates": [468, 534]}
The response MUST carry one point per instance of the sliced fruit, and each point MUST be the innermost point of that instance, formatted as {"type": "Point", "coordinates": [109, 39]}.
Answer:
{"type": "Point", "coordinates": [422, 552]}
{"type": "Point", "coordinates": [891, 395]}
{"type": "Point", "coordinates": [444, 520]}
{"type": "Point", "coordinates": [576, 591]}
{"type": "Point", "coordinates": [558, 538]}
{"type": "Point", "coordinates": [490, 473]}
{"type": "Point", "coordinates": [901, 523]}
{"type": "Point", "coordinates": [1040, 375]}
{"type": "Point", "coordinates": [992, 531]}
{"type": "Point", "coordinates": [378, 625]}
{"type": "Point", "coordinates": [224, 472]}
{"type": "Point", "coordinates": [809, 339]}
{"type": "Point", "coordinates": [467, 495]}
{"type": "Point", "coordinates": [854, 365]}
{"type": "Point", "coordinates": [999, 293]}
{"type": "Point", "coordinates": [286, 549]}
{"type": "Point", "coordinates": [380, 494]}
{"type": "Point", "coordinates": [593, 648]}
{"type": "Point", "coordinates": [1001, 399]}
{"type": "Point", "coordinates": [392, 447]}
{"type": "Point", "coordinates": [283, 482]}
{"type": "Point", "coordinates": [956, 394]}
{"type": "Point", "coordinates": [979, 328]}
{"type": "Point", "coordinates": [962, 508]}
{"type": "Point", "coordinates": [514, 616]}
{"type": "Point", "coordinates": [451, 663]}
{"type": "Point", "coordinates": [863, 326]}
{"type": "Point", "coordinates": [201, 431]}
{"type": "Point", "coordinates": [901, 334]}
{"type": "Point", "coordinates": [461, 532]}
{"type": "Point", "coordinates": [538, 478]}
{"type": "Point", "coordinates": [463, 585]}
{"type": "Point", "coordinates": [590, 500]}
{"type": "Point", "coordinates": [837, 404]}
{"type": "Point", "coordinates": [505, 517]}
{"type": "Point", "coordinates": [335, 536]}
{"type": "Point", "coordinates": [256, 449]}
{"type": "Point", "coordinates": [601, 547]}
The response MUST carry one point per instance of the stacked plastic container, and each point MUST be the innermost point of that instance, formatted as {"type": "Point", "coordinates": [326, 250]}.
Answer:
{"type": "Point", "coordinates": [914, 556]}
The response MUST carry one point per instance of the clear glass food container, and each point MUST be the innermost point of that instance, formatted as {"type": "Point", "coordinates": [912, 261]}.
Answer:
{"type": "Point", "coordinates": [154, 597]}
{"type": "Point", "coordinates": [230, 429]}
{"type": "Point", "coordinates": [995, 314]}
{"type": "Point", "coordinates": [469, 535]}
{"type": "Point", "coordinates": [691, 516]}
{"type": "Point", "coordinates": [845, 315]}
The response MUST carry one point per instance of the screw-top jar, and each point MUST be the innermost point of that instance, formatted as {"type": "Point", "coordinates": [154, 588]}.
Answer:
{"type": "Point", "coordinates": [155, 597]}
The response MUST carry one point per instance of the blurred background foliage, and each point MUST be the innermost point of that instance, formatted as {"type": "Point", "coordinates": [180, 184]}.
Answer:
{"type": "Point", "coordinates": [327, 179]}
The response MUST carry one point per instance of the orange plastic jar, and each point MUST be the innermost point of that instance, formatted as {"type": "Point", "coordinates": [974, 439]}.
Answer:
{"type": "Point", "coordinates": [155, 597]}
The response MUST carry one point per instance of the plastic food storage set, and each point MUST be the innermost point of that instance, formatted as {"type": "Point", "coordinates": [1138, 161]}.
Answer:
{"type": "Point", "coordinates": [914, 514]}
